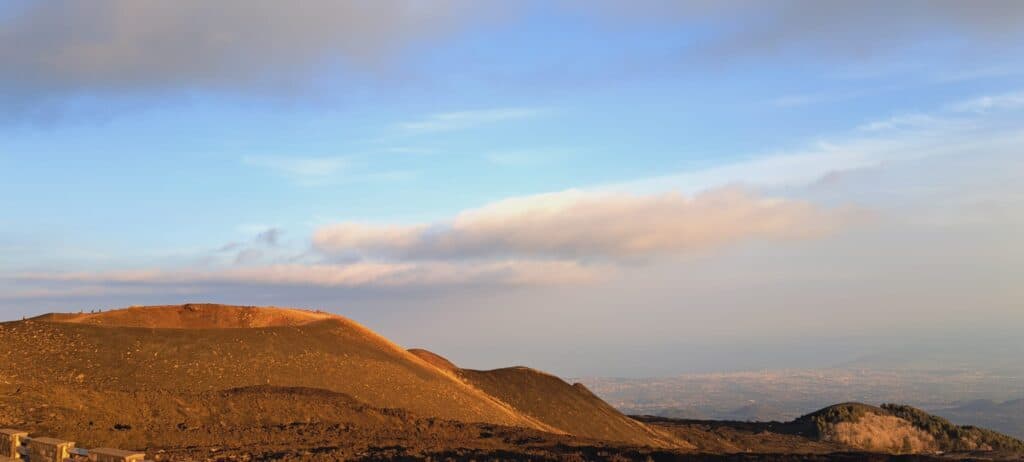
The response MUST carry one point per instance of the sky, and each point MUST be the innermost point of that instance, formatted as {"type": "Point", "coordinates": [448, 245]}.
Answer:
{"type": "Point", "coordinates": [592, 188]}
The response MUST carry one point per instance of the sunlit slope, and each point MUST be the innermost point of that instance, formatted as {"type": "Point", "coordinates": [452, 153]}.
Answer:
{"type": "Point", "coordinates": [569, 408]}
{"type": "Point", "coordinates": [901, 429]}
{"type": "Point", "coordinates": [197, 348]}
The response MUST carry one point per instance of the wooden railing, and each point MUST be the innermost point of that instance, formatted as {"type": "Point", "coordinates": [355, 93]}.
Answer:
{"type": "Point", "coordinates": [16, 445]}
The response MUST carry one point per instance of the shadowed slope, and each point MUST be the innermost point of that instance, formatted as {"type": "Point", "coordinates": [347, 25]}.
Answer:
{"type": "Point", "coordinates": [570, 408]}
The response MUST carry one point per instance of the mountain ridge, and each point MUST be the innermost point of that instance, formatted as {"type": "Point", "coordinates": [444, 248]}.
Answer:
{"type": "Point", "coordinates": [186, 381]}
{"type": "Point", "coordinates": [209, 347]}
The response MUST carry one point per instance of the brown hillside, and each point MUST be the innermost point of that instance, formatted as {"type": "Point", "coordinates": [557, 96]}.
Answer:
{"type": "Point", "coordinates": [569, 408]}
{"type": "Point", "coordinates": [276, 423]}
{"type": "Point", "coordinates": [108, 352]}
{"type": "Point", "coordinates": [242, 383]}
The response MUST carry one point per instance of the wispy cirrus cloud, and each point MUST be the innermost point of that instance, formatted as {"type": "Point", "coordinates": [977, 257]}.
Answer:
{"type": "Point", "coordinates": [589, 234]}
{"type": "Point", "coordinates": [901, 121]}
{"type": "Point", "coordinates": [988, 72]}
{"type": "Point", "coordinates": [651, 217]}
{"type": "Point", "coordinates": [1005, 101]}
{"type": "Point", "coordinates": [461, 120]}
{"type": "Point", "coordinates": [303, 170]}
{"type": "Point", "coordinates": [300, 167]}
{"type": "Point", "coordinates": [808, 99]}
{"type": "Point", "coordinates": [983, 124]}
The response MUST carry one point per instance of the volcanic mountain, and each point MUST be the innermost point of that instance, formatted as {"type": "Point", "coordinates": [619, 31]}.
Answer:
{"type": "Point", "coordinates": [79, 361]}
{"type": "Point", "coordinates": [218, 382]}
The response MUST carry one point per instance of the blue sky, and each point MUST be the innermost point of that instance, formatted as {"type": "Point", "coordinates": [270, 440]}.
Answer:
{"type": "Point", "coordinates": [573, 171]}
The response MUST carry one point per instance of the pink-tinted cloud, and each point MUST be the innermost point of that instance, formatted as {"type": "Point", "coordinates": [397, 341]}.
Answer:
{"type": "Point", "coordinates": [579, 224]}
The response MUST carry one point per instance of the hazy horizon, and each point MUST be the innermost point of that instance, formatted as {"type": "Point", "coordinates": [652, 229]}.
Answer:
{"type": "Point", "coordinates": [589, 188]}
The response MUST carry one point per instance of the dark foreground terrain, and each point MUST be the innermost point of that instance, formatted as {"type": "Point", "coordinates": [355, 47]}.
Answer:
{"type": "Point", "coordinates": [214, 382]}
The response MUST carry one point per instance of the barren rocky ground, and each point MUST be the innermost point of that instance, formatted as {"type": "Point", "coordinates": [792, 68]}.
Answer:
{"type": "Point", "coordinates": [212, 382]}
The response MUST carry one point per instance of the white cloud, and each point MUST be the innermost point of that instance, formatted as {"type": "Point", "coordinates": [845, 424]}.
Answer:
{"type": "Point", "coordinates": [652, 215]}
{"type": "Point", "coordinates": [580, 224]}
{"type": "Point", "coordinates": [461, 120]}
{"type": "Point", "coordinates": [556, 238]}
